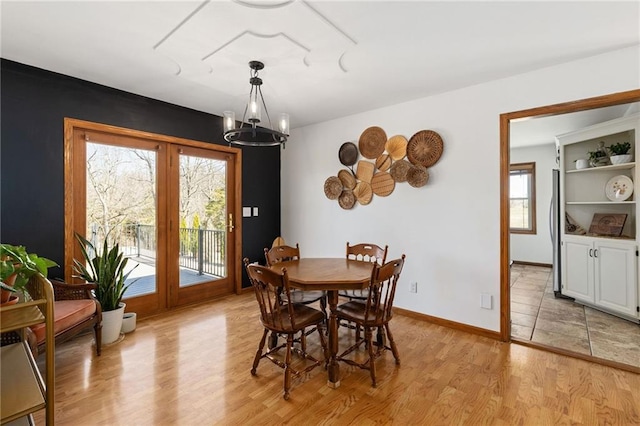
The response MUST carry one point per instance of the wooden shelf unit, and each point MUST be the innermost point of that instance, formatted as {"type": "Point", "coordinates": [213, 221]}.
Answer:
{"type": "Point", "coordinates": [597, 270]}
{"type": "Point", "coordinates": [23, 390]}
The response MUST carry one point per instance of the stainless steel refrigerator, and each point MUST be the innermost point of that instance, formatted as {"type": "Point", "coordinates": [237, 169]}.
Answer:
{"type": "Point", "coordinates": [555, 228]}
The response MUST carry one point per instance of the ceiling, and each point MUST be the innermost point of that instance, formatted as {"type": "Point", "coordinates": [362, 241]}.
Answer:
{"type": "Point", "coordinates": [324, 59]}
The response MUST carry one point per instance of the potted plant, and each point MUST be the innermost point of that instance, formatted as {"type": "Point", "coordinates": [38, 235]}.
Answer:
{"type": "Point", "coordinates": [620, 152]}
{"type": "Point", "coordinates": [17, 266]}
{"type": "Point", "coordinates": [597, 158]}
{"type": "Point", "coordinates": [105, 269]}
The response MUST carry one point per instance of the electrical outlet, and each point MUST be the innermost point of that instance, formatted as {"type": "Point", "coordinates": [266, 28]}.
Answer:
{"type": "Point", "coordinates": [414, 287]}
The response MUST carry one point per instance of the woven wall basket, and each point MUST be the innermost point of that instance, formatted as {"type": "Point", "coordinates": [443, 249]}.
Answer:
{"type": "Point", "coordinates": [332, 187]}
{"type": "Point", "coordinates": [396, 146]}
{"type": "Point", "coordinates": [347, 200]}
{"type": "Point", "coordinates": [425, 148]}
{"type": "Point", "coordinates": [382, 184]}
{"type": "Point", "coordinates": [365, 171]}
{"type": "Point", "coordinates": [383, 163]}
{"type": "Point", "coordinates": [363, 193]}
{"type": "Point", "coordinates": [372, 142]}
{"type": "Point", "coordinates": [399, 170]}
{"type": "Point", "coordinates": [347, 179]}
{"type": "Point", "coordinates": [417, 176]}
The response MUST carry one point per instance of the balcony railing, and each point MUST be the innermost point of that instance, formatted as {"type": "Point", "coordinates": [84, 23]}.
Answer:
{"type": "Point", "coordinates": [201, 250]}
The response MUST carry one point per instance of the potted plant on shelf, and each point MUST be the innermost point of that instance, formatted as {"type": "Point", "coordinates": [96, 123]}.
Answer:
{"type": "Point", "coordinates": [105, 269]}
{"type": "Point", "coordinates": [598, 157]}
{"type": "Point", "coordinates": [620, 152]}
{"type": "Point", "coordinates": [17, 266]}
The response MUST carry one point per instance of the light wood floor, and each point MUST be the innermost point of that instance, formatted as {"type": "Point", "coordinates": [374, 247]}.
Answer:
{"type": "Point", "coordinates": [192, 367]}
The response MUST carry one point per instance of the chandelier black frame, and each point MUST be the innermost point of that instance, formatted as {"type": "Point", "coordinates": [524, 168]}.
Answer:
{"type": "Point", "coordinates": [249, 133]}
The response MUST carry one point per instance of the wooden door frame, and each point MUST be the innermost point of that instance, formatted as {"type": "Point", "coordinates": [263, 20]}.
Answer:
{"type": "Point", "coordinates": [549, 110]}
{"type": "Point", "coordinates": [72, 192]}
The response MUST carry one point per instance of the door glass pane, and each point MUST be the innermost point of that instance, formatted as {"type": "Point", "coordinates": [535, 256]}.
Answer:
{"type": "Point", "coordinates": [203, 220]}
{"type": "Point", "coordinates": [121, 206]}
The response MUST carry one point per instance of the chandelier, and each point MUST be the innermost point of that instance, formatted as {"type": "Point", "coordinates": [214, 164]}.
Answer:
{"type": "Point", "coordinates": [249, 133]}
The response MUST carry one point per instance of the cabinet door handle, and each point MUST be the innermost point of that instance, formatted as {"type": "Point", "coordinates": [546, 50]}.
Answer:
{"type": "Point", "coordinates": [595, 253]}
{"type": "Point", "coordinates": [590, 252]}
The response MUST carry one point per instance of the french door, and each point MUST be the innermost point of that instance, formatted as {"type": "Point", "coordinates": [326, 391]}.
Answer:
{"type": "Point", "coordinates": [169, 203]}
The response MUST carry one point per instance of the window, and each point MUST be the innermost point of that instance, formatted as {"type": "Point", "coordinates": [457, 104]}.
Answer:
{"type": "Point", "coordinates": [522, 195]}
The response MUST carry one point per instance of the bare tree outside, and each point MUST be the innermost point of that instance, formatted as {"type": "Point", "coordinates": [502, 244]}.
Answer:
{"type": "Point", "coordinates": [122, 203]}
{"type": "Point", "coordinates": [119, 191]}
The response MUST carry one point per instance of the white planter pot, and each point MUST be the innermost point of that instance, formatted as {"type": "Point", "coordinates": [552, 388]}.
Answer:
{"type": "Point", "coordinates": [129, 322]}
{"type": "Point", "coordinates": [112, 324]}
{"type": "Point", "coordinates": [582, 164]}
{"type": "Point", "coordinates": [620, 159]}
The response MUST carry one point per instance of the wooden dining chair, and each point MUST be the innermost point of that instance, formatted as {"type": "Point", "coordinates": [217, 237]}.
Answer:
{"type": "Point", "coordinates": [279, 254]}
{"type": "Point", "coordinates": [365, 252]}
{"type": "Point", "coordinates": [375, 313]}
{"type": "Point", "coordinates": [288, 318]}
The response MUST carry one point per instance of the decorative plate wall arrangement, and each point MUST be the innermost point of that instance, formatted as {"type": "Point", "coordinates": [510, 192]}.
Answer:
{"type": "Point", "coordinates": [387, 162]}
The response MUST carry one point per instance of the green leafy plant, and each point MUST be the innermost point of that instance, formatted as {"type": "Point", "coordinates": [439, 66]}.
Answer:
{"type": "Point", "coordinates": [596, 155]}
{"type": "Point", "coordinates": [621, 148]}
{"type": "Point", "coordinates": [105, 269]}
{"type": "Point", "coordinates": [17, 266]}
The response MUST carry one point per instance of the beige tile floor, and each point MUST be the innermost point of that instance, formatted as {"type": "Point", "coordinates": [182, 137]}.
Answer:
{"type": "Point", "coordinates": [536, 315]}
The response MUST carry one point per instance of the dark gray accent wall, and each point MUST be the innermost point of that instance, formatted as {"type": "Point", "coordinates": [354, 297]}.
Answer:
{"type": "Point", "coordinates": [33, 105]}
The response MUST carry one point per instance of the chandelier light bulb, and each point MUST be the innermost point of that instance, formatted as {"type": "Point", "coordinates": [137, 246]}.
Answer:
{"type": "Point", "coordinates": [254, 111]}
{"type": "Point", "coordinates": [283, 123]}
{"type": "Point", "coordinates": [229, 120]}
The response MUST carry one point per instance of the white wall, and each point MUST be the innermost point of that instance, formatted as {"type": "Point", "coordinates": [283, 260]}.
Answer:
{"type": "Point", "coordinates": [449, 229]}
{"type": "Point", "coordinates": [536, 247]}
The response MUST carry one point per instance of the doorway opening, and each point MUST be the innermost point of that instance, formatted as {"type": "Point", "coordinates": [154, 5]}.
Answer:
{"type": "Point", "coordinates": [505, 258]}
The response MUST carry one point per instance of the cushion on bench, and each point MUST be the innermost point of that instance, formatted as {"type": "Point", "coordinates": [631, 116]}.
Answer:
{"type": "Point", "coordinates": [67, 313]}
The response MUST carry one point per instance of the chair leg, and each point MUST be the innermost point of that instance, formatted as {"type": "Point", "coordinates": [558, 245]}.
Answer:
{"type": "Point", "coordinates": [256, 360]}
{"type": "Point", "coordinates": [273, 340]}
{"type": "Point", "coordinates": [325, 348]}
{"type": "Point", "coordinates": [287, 367]}
{"type": "Point", "coordinates": [368, 335]}
{"type": "Point", "coordinates": [381, 339]}
{"type": "Point", "coordinates": [303, 341]}
{"type": "Point", "coordinates": [392, 343]}
{"type": "Point", "coordinates": [97, 330]}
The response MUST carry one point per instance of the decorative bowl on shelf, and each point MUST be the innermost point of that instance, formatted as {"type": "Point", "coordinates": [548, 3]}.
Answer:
{"type": "Point", "coordinates": [620, 159]}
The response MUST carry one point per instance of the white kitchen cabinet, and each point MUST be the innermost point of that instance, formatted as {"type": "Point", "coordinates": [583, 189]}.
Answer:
{"type": "Point", "coordinates": [616, 276]}
{"type": "Point", "coordinates": [578, 275]}
{"type": "Point", "coordinates": [601, 272]}
{"type": "Point", "coordinates": [600, 269]}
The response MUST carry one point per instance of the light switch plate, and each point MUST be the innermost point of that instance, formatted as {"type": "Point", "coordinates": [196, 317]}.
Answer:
{"type": "Point", "coordinates": [255, 211]}
{"type": "Point", "coordinates": [486, 301]}
{"type": "Point", "coordinates": [246, 212]}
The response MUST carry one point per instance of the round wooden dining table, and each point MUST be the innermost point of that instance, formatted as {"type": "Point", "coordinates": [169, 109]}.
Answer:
{"type": "Point", "coordinates": [331, 275]}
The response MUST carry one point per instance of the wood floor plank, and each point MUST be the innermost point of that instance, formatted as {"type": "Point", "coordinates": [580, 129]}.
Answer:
{"type": "Point", "coordinates": [192, 366]}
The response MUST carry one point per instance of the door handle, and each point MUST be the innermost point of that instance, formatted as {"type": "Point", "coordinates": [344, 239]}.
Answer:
{"type": "Point", "coordinates": [230, 225]}
{"type": "Point", "coordinates": [590, 252]}
{"type": "Point", "coordinates": [595, 253]}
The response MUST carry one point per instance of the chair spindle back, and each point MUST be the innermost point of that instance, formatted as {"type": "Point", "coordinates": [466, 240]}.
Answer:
{"type": "Point", "coordinates": [367, 252]}
{"type": "Point", "coordinates": [279, 254]}
{"type": "Point", "coordinates": [273, 296]}
{"type": "Point", "coordinates": [382, 290]}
